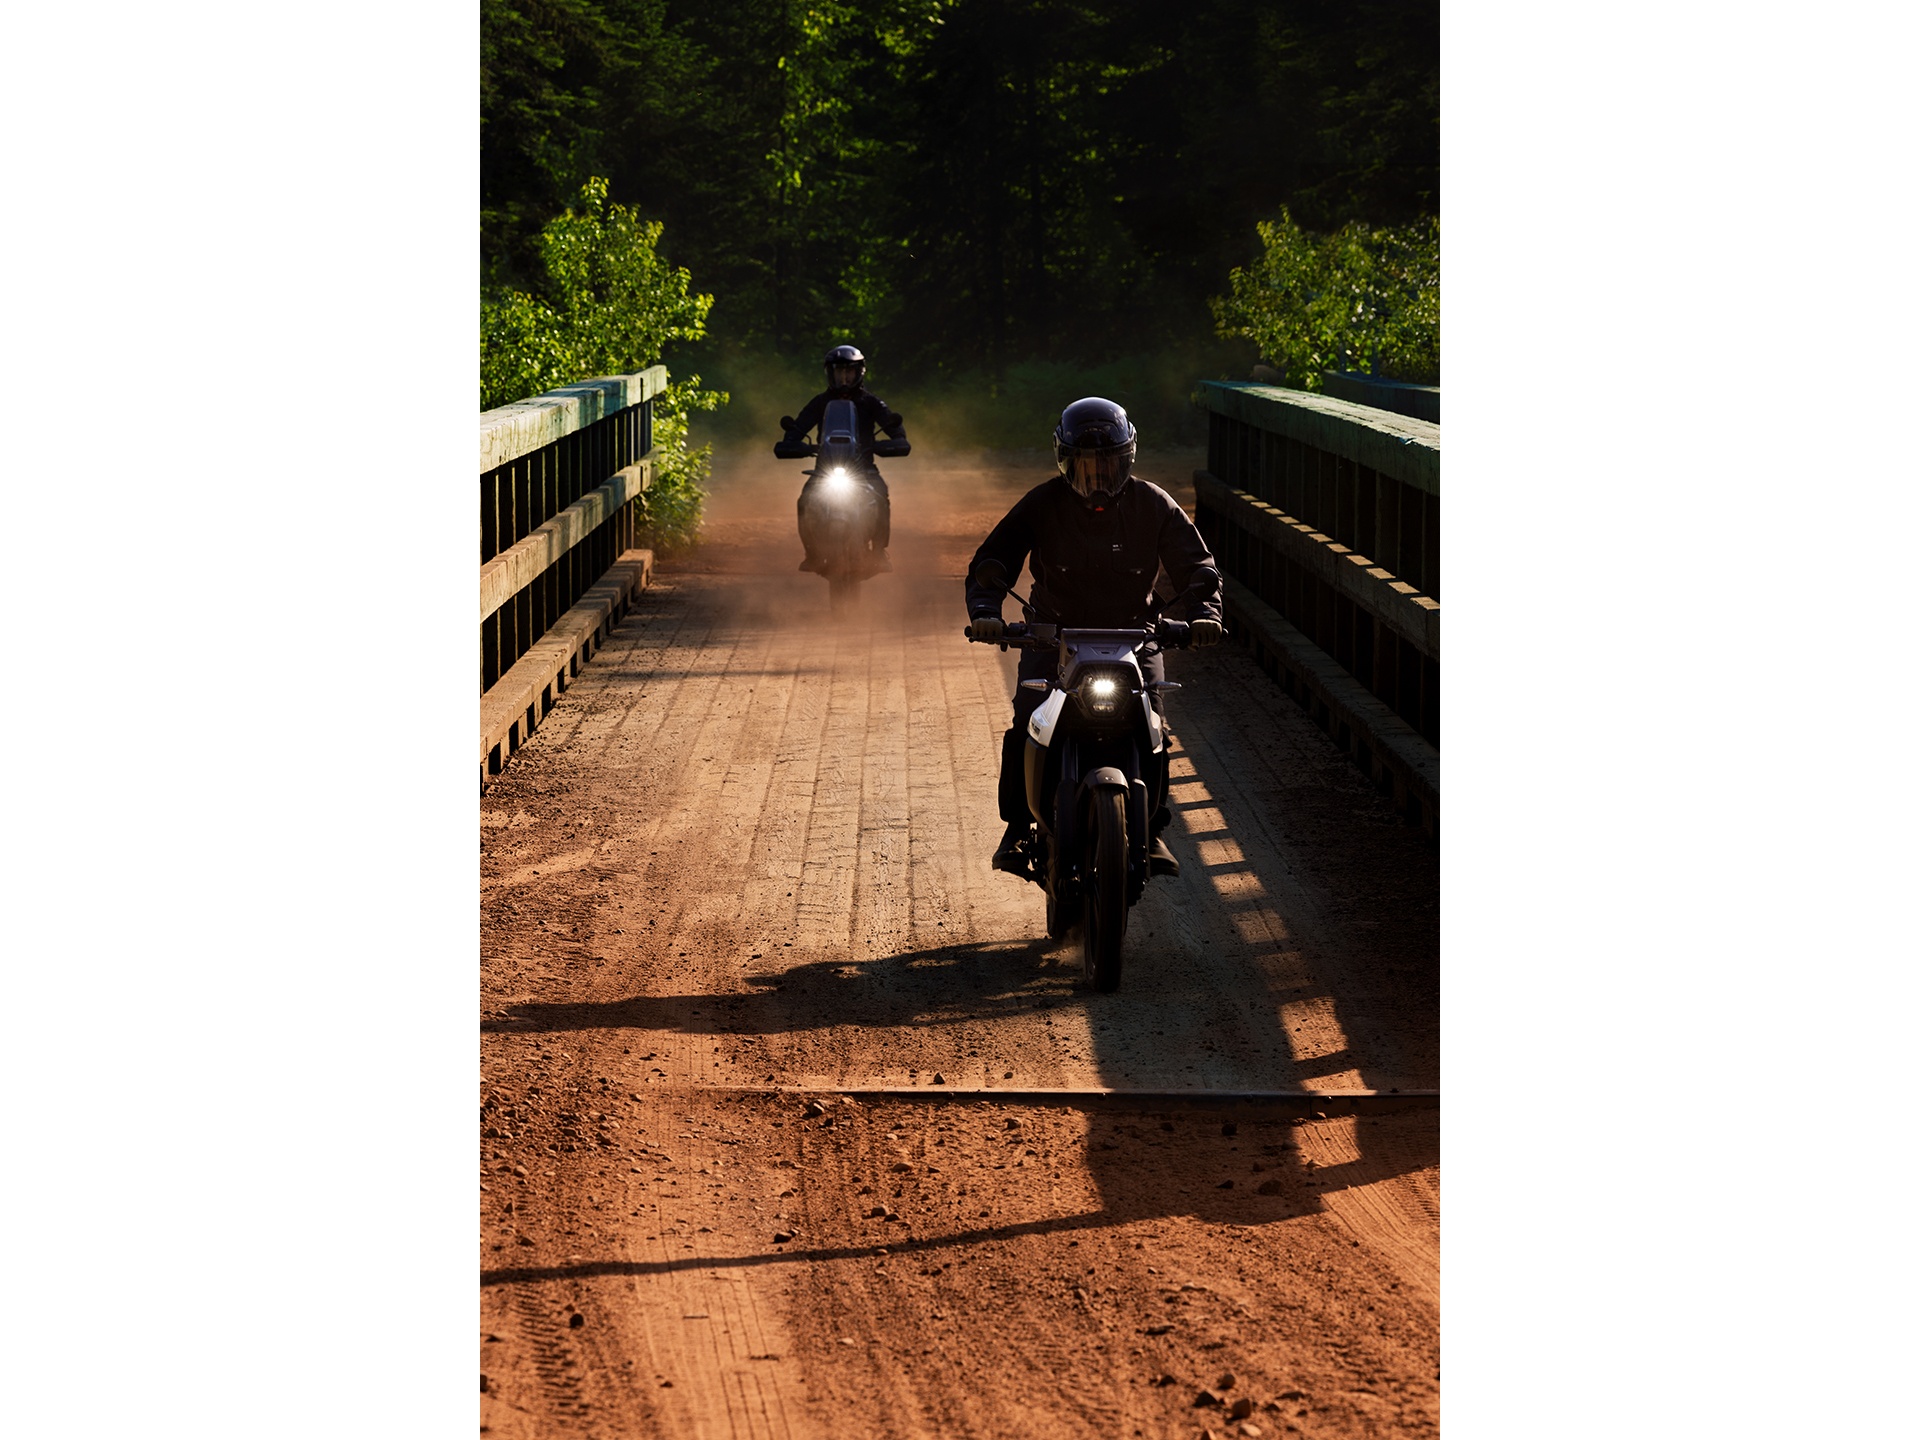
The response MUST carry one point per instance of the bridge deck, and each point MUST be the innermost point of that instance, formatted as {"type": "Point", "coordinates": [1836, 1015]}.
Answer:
{"type": "Point", "coordinates": [748, 849]}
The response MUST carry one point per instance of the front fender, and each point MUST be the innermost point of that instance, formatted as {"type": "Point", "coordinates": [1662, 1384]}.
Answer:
{"type": "Point", "coordinates": [1107, 777]}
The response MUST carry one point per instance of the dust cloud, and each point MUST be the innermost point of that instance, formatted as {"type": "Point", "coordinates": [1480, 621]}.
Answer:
{"type": "Point", "coordinates": [944, 503]}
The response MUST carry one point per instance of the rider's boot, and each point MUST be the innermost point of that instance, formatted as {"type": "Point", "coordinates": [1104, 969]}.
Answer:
{"type": "Point", "coordinates": [1008, 856]}
{"type": "Point", "coordinates": [809, 563]}
{"type": "Point", "coordinates": [1160, 860]}
{"type": "Point", "coordinates": [881, 564]}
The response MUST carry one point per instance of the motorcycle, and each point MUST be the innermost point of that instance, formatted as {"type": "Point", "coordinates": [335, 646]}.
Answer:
{"type": "Point", "coordinates": [839, 510]}
{"type": "Point", "coordinates": [1095, 770]}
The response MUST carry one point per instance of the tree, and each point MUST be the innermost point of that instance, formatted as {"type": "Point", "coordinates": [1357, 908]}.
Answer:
{"type": "Point", "coordinates": [608, 305]}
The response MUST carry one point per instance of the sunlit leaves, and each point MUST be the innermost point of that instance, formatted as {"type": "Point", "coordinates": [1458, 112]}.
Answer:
{"type": "Point", "coordinates": [1364, 297]}
{"type": "Point", "coordinates": [609, 306]}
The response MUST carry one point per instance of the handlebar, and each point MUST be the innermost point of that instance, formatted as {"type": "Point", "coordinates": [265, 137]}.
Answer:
{"type": "Point", "coordinates": [1019, 635]}
{"type": "Point", "coordinates": [806, 449]}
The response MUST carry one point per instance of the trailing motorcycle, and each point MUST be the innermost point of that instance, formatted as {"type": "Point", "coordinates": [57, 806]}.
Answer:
{"type": "Point", "coordinates": [1095, 770]}
{"type": "Point", "coordinates": [839, 510]}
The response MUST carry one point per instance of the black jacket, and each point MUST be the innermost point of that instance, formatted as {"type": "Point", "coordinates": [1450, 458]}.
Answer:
{"type": "Point", "coordinates": [1097, 568]}
{"type": "Point", "coordinates": [872, 410]}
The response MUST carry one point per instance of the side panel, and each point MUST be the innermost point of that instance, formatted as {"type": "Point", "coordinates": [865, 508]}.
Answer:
{"type": "Point", "coordinates": [1040, 727]}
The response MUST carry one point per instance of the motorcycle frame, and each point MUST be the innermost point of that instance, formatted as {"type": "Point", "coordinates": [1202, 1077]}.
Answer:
{"type": "Point", "coordinates": [1059, 778]}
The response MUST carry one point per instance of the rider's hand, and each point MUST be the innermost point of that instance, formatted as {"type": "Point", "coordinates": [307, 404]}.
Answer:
{"type": "Point", "coordinates": [1204, 632]}
{"type": "Point", "coordinates": [988, 627]}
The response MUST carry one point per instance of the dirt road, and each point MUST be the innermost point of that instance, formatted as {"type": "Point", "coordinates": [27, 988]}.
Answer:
{"type": "Point", "coordinates": [749, 849]}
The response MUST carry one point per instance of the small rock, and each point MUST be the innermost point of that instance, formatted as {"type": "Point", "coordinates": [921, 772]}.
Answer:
{"type": "Point", "coordinates": [1007, 1076]}
{"type": "Point", "coordinates": [1158, 1329]}
{"type": "Point", "coordinates": [814, 1108]}
{"type": "Point", "coordinates": [845, 1341]}
{"type": "Point", "coordinates": [483, 1383]}
{"type": "Point", "coordinates": [1251, 1430]}
{"type": "Point", "coordinates": [1226, 1381]}
{"type": "Point", "coordinates": [1293, 1394]}
{"type": "Point", "coordinates": [1205, 1399]}
{"type": "Point", "coordinates": [938, 1078]}
{"type": "Point", "coordinates": [1166, 1380]}
{"type": "Point", "coordinates": [781, 1237]}
{"type": "Point", "coordinates": [520, 1170]}
{"type": "Point", "coordinates": [1269, 1187]}
{"type": "Point", "coordinates": [1242, 1408]}
{"type": "Point", "coordinates": [576, 1320]}
{"type": "Point", "coordinates": [666, 1384]}
{"type": "Point", "coordinates": [1230, 1128]}
{"type": "Point", "coordinates": [1224, 1185]}
{"type": "Point", "coordinates": [901, 1167]}
{"type": "Point", "coordinates": [879, 1212]}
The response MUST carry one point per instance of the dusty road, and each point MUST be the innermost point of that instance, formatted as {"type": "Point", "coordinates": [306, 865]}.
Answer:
{"type": "Point", "coordinates": [750, 848]}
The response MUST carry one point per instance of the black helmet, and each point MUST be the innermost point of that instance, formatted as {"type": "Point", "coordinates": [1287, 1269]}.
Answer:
{"type": "Point", "coordinates": [1094, 447]}
{"type": "Point", "coordinates": [840, 358]}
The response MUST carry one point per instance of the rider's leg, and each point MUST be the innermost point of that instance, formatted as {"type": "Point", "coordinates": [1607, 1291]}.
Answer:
{"type": "Point", "coordinates": [1034, 665]}
{"type": "Point", "coordinates": [807, 561]}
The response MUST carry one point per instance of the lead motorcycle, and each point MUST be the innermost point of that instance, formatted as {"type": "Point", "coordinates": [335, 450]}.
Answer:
{"type": "Point", "coordinates": [839, 510]}
{"type": "Point", "coordinates": [1095, 769]}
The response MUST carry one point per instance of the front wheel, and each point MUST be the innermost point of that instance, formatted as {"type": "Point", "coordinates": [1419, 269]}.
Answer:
{"type": "Point", "coordinates": [1104, 885]}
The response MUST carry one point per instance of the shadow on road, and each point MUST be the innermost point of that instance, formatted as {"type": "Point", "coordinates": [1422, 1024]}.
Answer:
{"type": "Point", "coordinates": [945, 985]}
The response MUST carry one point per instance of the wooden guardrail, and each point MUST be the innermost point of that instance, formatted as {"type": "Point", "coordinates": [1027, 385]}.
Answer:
{"type": "Point", "coordinates": [561, 479]}
{"type": "Point", "coordinates": [1325, 518]}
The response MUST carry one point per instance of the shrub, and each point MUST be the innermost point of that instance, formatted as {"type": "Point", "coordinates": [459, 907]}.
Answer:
{"type": "Point", "coordinates": [1361, 298]}
{"type": "Point", "coordinates": [609, 305]}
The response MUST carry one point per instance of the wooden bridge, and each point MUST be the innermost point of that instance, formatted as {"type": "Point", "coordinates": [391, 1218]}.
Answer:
{"type": "Point", "coordinates": [793, 1121]}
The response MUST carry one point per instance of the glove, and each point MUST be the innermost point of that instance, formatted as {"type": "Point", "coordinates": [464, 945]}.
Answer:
{"type": "Point", "coordinates": [988, 627]}
{"type": "Point", "coordinates": [1204, 632]}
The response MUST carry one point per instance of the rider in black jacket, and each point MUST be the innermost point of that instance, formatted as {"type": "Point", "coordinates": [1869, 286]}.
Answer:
{"type": "Point", "coordinates": [846, 375]}
{"type": "Point", "coordinates": [1097, 541]}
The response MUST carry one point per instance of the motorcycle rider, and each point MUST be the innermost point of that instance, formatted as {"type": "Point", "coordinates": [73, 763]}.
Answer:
{"type": "Point", "coordinates": [1097, 539]}
{"type": "Point", "coordinates": [846, 374]}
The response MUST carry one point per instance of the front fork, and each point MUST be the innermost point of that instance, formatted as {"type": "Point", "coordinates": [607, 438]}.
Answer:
{"type": "Point", "coordinates": [1062, 828]}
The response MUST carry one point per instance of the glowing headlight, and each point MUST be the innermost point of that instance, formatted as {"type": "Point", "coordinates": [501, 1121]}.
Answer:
{"type": "Point", "coordinates": [1101, 694]}
{"type": "Point", "coordinates": [837, 481]}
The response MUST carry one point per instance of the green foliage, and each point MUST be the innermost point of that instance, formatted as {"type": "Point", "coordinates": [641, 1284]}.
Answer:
{"type": "Point", "coordinates": [1363, 297]}
{"type": "Point", "coordinates": [959, 186]}
{"type": "Point", "coordinates": [672, 504]}
{"type": "Point", "coordinates": [608, 305]}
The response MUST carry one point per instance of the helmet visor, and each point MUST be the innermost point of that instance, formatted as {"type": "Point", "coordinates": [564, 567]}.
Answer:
{"type": "Point", "coordinates": [1097, 471]}
{"type": "Point", "coordinates": [844, 376]}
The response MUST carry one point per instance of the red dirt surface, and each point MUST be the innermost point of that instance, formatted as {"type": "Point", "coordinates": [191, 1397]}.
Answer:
{"type": "Point", "coordinates": [749, 849]}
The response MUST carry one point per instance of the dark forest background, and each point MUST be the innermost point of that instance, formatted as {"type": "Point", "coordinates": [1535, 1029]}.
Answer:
{"type": "Point", "coordinates": [1003, 200]}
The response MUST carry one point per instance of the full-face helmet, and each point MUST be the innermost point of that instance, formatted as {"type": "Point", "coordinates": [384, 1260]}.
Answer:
{"type": "Point", "coordinates": [846, 368]}
{"type": "Point", "coordinates": [1094, 446]}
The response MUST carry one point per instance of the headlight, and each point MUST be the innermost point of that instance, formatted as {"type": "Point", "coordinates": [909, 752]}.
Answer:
{"type": "Point", "coordinates": [837, 481]}
{"type": "Point", "coordinates": [1102, 692]}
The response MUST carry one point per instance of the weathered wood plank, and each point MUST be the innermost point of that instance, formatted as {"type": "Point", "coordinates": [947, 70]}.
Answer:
{"type": "Point", "coordinates": [510, 431]}
{"type": "Point", "coordinates": [511, 571]}
{"type": "Point", "coordinates": [1413, 764]}
{"type": "Point", "coordinates": [1400, 446]}
{"type": "Point", "coordinates": [1412, 616]}
{"type": "Point", "coordinates": [520, 699]}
